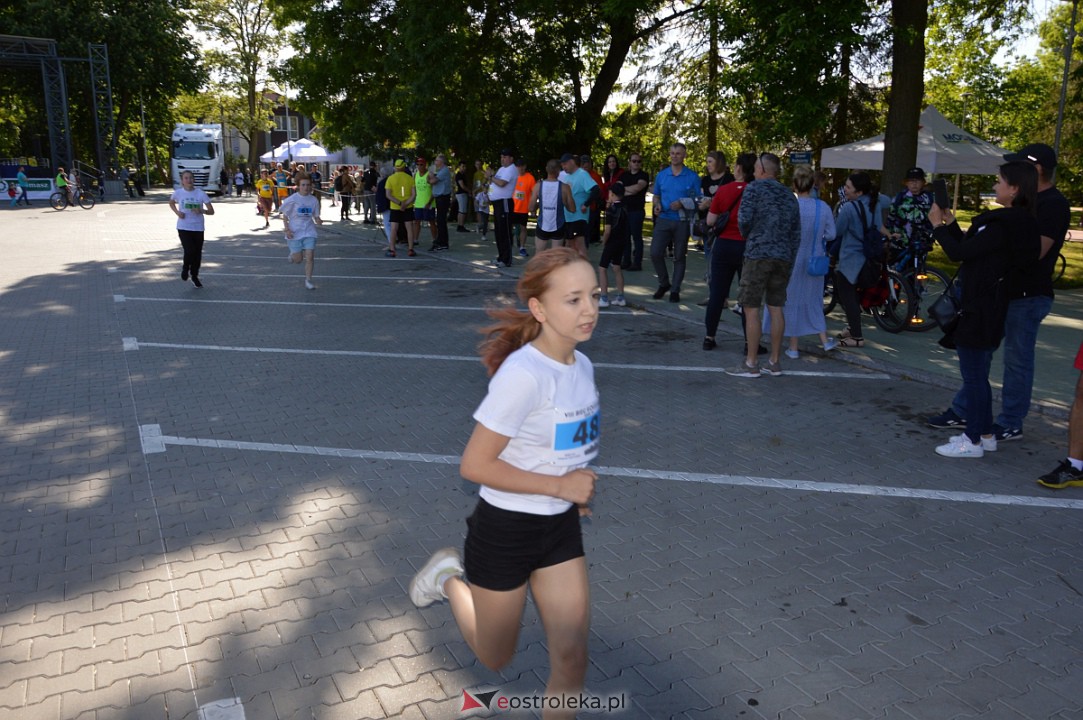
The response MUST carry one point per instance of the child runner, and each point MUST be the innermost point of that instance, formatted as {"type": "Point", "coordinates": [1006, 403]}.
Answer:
{"type": "Point", "coordinates": [614, 241]}
{"type": "Point", "coordinates": [537, 431]}
{"type": "Point", "coordinates": [190, 204]}
{"type": "Point", "coordinates": [550, 199]}
{"type": "Point", "coordinates": [265, 189]}
{"type": "Point", "coordinates": [301, 215]}
{"type": "Point", "coordinates": [481, 205]}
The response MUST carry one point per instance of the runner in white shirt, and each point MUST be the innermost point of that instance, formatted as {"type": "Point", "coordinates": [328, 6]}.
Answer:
{"type": "Point", "coordinates": [190, 204]}
{"type": "Point", "coordinates": [537, 432]}
{"type": "Point", "coordinates": [301, 215]}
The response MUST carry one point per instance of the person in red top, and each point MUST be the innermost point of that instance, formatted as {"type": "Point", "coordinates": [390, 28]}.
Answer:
{"type": "Point", "coordinates": [728, 251]}
{"type": "Point", "coordinates": [524, 190]}
{"type": "Point", "coordinates": [610, 174]}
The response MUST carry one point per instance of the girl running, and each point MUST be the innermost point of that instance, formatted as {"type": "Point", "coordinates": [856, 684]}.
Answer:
{"type": "Point", "coordinates": [537, 430]}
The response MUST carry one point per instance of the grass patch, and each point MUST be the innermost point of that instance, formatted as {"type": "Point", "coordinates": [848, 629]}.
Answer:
{"type": "Point", "coordinates": [1072, 252]}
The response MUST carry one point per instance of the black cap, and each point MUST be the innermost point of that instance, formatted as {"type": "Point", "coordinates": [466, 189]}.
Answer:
{"type": "Point", "coordinates": [617, 189]}
{"type": "Point", "coordinates": [566, 157]}
{"type": "Point", "coordinates": [507, 151]}
{"type": "Point", "coordinates": [521, 162]}
{"type": "Point", "coordinates": [584, 159]}
{"type": "Point", "coordinates": [1038, 153]}
{"type": "Point", "coordinates": [915, 173]}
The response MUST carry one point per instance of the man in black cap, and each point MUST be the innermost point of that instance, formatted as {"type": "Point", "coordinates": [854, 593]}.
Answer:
{"type": "Point", "coordinates": [908, 217]}
{"type": "Point", "coordinates": [1030, 301]}
{"type": "Point", "coordinates": [500, 194]}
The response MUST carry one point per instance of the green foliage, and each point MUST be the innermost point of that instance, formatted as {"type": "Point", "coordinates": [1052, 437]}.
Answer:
{"type": "Point", "coordinates": [150, 57]}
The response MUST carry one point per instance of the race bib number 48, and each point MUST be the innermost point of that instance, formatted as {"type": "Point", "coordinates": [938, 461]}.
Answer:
{"type": "Point", "coordinates": [575, 440]}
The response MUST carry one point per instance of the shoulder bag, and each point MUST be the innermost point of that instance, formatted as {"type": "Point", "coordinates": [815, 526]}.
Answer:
{"type": "Point", "coordinates": [818, 263]}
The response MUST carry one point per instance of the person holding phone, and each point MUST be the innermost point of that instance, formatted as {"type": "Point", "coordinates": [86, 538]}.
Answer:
{"type": "Point", "coordinates": [998, 243]}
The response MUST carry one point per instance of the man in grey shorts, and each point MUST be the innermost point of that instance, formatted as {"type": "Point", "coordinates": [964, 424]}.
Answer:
{"type": "Point", "coordinates": [770, 221]}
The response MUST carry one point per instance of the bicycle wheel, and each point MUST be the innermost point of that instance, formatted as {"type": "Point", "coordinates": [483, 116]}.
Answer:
{"type": "Point", "coordinates": [927, 287]}
{"type": "Point", "coordinates": [58, 201]}
{"type": "Point", "coordinates": [830, 300]}
{"type": "Point", "coordinates": [1059, 267]}
{"type": "Point", "coordinates": [893, 315]}
{"type": "Point", "coordinates": [86, 200]}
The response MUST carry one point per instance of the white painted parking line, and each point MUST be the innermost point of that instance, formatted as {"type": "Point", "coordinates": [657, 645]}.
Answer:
{"type": "Point", "coordinates": [293, 276]}
{"type": "Point", "coordinates": [134, 344]}
{"type": "Point", "coordinates": [155, 442]}
{"type": "Point", "coordinates": [309, 304]}
{"type": "Point", "coordinates": [322, 258]}
{"type": "Point", "coordinates": [224, 709]}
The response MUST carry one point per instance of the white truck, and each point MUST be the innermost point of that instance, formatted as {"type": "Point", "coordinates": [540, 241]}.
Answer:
{"type": "Point", "coordinates": [199, 149]}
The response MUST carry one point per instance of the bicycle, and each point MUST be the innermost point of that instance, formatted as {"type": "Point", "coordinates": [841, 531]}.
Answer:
{"type": "Point", "coordinates": [926, 284]}
{"type": "Point", "coordinates": [59, 200]}
{"type": "Point", "coordinates": [891, 300]}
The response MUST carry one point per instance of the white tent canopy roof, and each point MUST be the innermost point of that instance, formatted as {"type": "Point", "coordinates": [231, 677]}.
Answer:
{"type": "Point", "coordinates": [943, 148]}
{"type": "Point", "coordinates": [288, 151]}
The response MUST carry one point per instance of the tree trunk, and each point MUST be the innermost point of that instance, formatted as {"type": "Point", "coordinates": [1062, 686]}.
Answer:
{"type": "Point", "coordinates": [588, 116]}
{"type": "Point", "coordinates": [909, 19]}
{"type": "Point", "coordinates": [712, 78]}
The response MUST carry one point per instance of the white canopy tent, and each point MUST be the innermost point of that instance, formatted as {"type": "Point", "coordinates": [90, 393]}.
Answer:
{"type": "Point", "coordinates": [288, 151]}
{"type": "Point", "coordinates": [943, 149]}
{"type": "Point", "coordinates": [316, 154]}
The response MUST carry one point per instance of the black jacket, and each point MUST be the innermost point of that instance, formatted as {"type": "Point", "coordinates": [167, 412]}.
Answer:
{"type": "Point", "coordinates": [994, 252]}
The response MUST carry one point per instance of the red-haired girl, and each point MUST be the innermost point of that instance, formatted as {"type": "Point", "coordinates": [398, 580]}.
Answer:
{"type": "Point", "coordinates": [537, 431]}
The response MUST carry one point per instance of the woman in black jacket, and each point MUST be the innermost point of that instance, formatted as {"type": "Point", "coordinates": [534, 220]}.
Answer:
{"type": "Point", "coordinates": [998, 243]}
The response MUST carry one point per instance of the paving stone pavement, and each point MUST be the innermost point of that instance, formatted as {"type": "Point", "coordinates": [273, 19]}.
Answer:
{"type": "Point", "coordinates": [213, 501]}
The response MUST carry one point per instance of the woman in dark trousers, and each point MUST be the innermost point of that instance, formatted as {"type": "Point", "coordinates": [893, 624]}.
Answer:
{"type": "Point", "coordinates": [998, 243]}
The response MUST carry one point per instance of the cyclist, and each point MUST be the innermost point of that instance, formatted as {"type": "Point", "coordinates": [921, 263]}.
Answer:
{"type": "Point", "coordinates": [908, 217]}
{"type": "Point", "coordinates": [62, 185]}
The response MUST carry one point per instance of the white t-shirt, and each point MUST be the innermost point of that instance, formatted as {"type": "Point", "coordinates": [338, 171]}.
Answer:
{"type": "Point", "coordinates": [190, 202]}
{"type": "Point", "coordinates": [551, 413]}
{"type": "Point", "coordinates": [511, 175]}
{"type": "Point", "coordinates": [300, 210]}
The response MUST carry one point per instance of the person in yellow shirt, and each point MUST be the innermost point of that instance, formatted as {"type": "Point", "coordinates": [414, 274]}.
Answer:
{"type": "Point", "coordinates": [401, 194]}
{"type": "Point", "coordinates": [265, 189]}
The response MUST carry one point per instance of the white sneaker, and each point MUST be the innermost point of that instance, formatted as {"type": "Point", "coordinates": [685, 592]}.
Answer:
{"type": "Point", "coordinates": [427, 586]}
{"type": "Point", "coordinates": [831, 344]}
{"type": "Point", "coordinates": [619, 301]}
{"type": "Point", "coordinates": [989, 444]}
{"type": "Point", "coordinates": [603, 301]}
{"type": "Point", "coordinates": [793, 354]}
{"type": "Point", "coordinates": [309, 285]}
{"type": "Point", "coordinates": [960, 447]}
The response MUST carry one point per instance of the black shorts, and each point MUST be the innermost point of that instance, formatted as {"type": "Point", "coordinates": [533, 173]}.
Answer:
{"type": "Point", "coordinates": [519, 219]}
{"type": "Point", "coordinates": [402, 216]}
{"type": "Point", "coordinates": [559, 234]}
{"type": "Point", "coordinates": [576, 228]}
{"type": "Point", "coordinates": [504, 547]}
{"type": "Point", "coordinates": [613, 251]}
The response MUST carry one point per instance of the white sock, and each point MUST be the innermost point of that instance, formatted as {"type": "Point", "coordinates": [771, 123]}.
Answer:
{"type": "Point", "coordinates": [1077, 464]}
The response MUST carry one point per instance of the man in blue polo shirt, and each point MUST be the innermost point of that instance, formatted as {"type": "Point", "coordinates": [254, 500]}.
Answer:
{"type": "Point", "coordinates": [675, 191]}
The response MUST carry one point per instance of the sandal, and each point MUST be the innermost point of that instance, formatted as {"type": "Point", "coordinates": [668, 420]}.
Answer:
{"type": "Point", "coordinates": [851, 342]}
{"type": "Point", "coordinates": [844, 334]}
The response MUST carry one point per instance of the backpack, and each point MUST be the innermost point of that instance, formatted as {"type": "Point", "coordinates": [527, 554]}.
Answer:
{"type": "Point", "coordinates": [872, 241]}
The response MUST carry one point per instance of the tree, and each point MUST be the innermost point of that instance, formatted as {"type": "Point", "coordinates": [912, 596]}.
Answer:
{"type": "Point", "coordinates": [470, 76]}
{"type": "Point", "coordinates": [243, 52]}
{"type": "Point", "coordinates": [149, 60]}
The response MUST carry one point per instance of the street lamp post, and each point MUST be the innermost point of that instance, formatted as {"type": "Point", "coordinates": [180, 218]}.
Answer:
{"type": "Point", "coordinates": [955, 200]}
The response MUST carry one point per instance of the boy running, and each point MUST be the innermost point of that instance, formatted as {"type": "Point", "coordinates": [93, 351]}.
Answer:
{"type": "Point", "coordinates": [614, 241]}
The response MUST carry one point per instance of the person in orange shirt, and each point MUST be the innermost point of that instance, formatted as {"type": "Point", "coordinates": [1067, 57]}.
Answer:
{"type": "Point", "coordinates": [524, 190]}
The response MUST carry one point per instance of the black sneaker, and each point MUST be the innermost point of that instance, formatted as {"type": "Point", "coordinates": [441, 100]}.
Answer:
{"type": "Point", "coordinates": [196, 282]}
{"type": "Point", "coordinates": [709, 343]}
{"type": "Point", "coordinates": [184, 274]}
{"type": "Point", "coordinates": [1003, 434]}
{"type": "Point", "coordinates": [1064, 475]}
{"type": "Point", "coordinates": [947, 420]}
{"type": "Point", "coordinates": [661, 291]}
{"type": "Point", "coordinates": [674, 297]}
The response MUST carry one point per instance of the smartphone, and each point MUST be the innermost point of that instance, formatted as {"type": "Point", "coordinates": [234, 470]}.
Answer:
{"type": "Point", "coordinates": [940, 194]}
